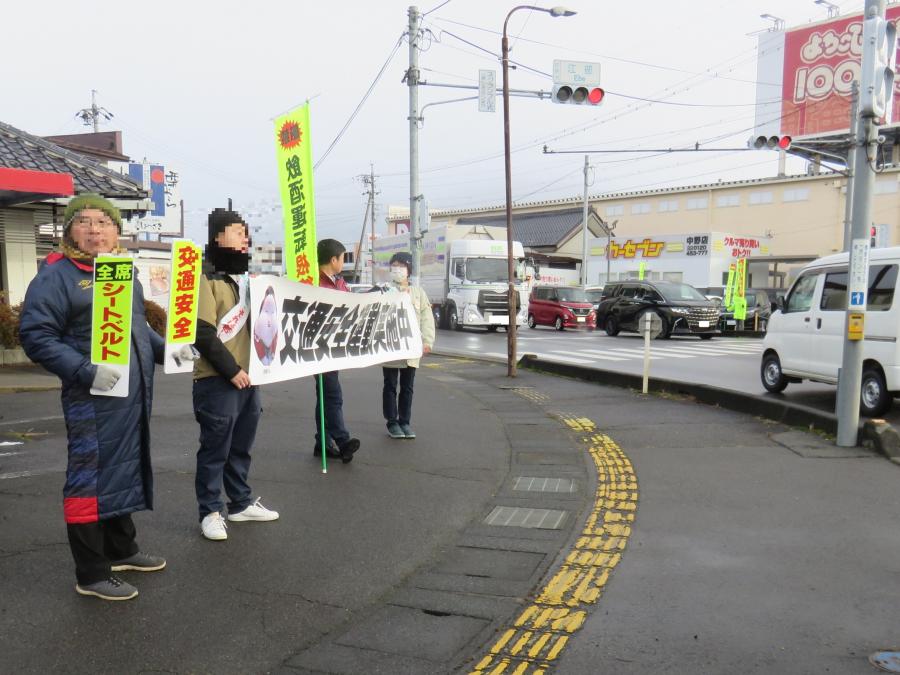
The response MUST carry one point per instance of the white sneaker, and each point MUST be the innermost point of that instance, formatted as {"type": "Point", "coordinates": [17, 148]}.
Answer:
{"type": "Point", "coordinates": [255, 511]}
{"type": "Point", "coordinates": [213, 526]}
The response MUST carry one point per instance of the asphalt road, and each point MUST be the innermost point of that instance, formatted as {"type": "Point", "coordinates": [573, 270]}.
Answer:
{"type": "Point", "coordinates": [690, 539]}
{"type": "Point", "coordinates": [727, 362]}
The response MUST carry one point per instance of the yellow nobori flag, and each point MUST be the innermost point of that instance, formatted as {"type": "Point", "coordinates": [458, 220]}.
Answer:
{"type": "Point", "coordinates": [293, 150]}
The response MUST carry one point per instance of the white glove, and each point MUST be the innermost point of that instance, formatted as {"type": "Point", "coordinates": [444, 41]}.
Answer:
{"type": "Point", "coordinates": [186, 353]}
{"type": "Point", "coordinates": [105, 378]}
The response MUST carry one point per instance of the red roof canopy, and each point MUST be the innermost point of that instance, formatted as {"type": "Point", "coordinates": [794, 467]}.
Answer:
{"type": "Point", "coordinates": [20, 186]}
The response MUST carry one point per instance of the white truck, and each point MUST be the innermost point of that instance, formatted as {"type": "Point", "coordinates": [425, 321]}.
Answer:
{"type": "Point", "coordinates": [464, 272]}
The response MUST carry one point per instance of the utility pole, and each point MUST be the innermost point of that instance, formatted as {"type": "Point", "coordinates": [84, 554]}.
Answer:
{"type": "Point", "coordinates": [91, 116]}
{"type": "Point", "coordinates": [584, 227]}
{"type": "Point", "coordinates": [866, 140]}
{"type": "Point", "coordinates": [412, 81]}
{"type": "Point", "coordinates": [851, 163]}
{"type": "Point", "coordinates": [372, 216]}
{"type": "Point", "coordinates": [369, 181]}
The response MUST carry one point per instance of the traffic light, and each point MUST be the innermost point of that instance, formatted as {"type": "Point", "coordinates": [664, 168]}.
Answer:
{"type": "Point", "coordinates": [878, 236]}
{"type": "Point", "coordinates": [879, 62]}
{"type": "Point", "coordinates": [567, 93]}
{"type": "Point", "coordinates": [770, 143]}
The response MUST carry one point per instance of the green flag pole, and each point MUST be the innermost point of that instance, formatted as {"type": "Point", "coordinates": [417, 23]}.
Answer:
{"type": "Point", "coordinates": [322, 422]}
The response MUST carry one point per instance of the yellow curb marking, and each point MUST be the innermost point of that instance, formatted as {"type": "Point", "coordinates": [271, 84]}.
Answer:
{"type": "Point", "coordinates": [542, 630]}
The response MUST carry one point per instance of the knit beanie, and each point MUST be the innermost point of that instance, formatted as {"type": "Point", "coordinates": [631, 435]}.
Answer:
{"type": "Point", "coordinates": [90, 200]}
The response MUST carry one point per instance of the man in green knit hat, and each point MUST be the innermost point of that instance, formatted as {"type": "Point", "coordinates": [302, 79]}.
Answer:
{"type": "Point", "coordinates": [109, 476]}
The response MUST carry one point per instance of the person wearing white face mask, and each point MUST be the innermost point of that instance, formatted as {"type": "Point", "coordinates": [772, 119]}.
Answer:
{"type": "Point", "coordinates": [397, 394]}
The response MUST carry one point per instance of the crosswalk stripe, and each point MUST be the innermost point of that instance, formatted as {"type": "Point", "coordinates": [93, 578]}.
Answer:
{"type": "Point", "coordinates": [592, 356]}
{"type": "Point", "coordinates": [630, 353]}
{"type": "Point", "coordinates": [707, 350]}
{"type": "Point", "coordinates": [668, 353]}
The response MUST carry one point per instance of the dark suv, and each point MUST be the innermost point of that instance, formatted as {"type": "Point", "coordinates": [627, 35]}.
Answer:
{"type": "Point", "coordinates": [682, 309]}
{"type": "Point", "coordinates": [759, 307]}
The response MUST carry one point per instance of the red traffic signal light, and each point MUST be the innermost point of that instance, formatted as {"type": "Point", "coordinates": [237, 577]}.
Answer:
{"type": "Point", "coordinates": [771, 142]}
{"type": "Point", "coordinates": [577, 95]}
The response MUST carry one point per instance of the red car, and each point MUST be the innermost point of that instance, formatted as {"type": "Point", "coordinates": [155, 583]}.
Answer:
{"type": "Point", "coordinates": [561, 307]}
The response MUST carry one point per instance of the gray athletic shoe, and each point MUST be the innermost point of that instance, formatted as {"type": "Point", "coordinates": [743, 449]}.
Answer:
{"type": "Point", "coordinates": [139, 562]}
{"type": "Point", "coordinates": [407, 432]}
{"type": "Point", "coordinates": [394, 430]}
{"type": "Point", "coordinates": [108, 589]}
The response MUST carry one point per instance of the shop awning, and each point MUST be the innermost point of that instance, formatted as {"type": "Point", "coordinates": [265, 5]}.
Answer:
{"type": "Point", "coordinates": [21, 186]}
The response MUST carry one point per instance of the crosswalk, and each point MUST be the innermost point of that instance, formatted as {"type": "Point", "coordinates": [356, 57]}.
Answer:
{"type": "Point", "coordinates": [617, 350]}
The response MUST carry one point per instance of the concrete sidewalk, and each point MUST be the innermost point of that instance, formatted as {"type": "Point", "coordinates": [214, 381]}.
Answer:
{"type": "Point", "coordinates": [539, 523]}
{"type": "Point", "coordinates": [14, 379]}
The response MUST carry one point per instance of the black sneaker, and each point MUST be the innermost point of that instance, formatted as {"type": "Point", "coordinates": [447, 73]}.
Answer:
{"type": "Point", "coordinates": [348, 448]}
{"type": "Point", "coordinates": [331, 451]}
{"type": "Point", "coordinates": [108, 589]}
{"type": "Point", "coordinates": [139, 562]}
{"type": "Point", "coordinates": [394, 430]}
{"type": "Point", "coordinates": [407, 432]}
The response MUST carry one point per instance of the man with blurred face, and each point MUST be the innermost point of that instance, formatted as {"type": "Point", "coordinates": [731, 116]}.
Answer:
{"type": "Point", "coordinates": [109, 475]}
{"type": "Point", "coordinates": [226, 404]}
{"type": "Point", "coordinates": [338, 442]}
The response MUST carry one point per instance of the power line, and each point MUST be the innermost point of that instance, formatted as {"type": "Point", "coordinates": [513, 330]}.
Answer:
{"type": "Point", "coordinates": [360, 105]}
{"type": "Point", "coordinates": [595, 54]}
{"type": "Point", "coordinates": [434, 9]}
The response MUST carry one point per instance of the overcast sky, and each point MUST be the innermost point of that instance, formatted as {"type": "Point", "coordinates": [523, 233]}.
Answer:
{"type": "Point", "coordinates": [195, 85]}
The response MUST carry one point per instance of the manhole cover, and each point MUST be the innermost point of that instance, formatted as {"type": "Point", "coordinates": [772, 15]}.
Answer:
{"type": "Point", "coordinates": [886, 661]}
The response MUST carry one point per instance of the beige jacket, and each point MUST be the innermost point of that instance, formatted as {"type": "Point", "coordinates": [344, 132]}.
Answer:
{"type": "Point", "coordinates": [422, 307]}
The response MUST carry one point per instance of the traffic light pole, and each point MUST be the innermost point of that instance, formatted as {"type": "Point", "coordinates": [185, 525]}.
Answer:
{"type": "Point", "coordinates": [584, 227]}
{"type": "Point", "coordinates": [412, 81]}
{"type": "Point", "coordinates": [850, 378]}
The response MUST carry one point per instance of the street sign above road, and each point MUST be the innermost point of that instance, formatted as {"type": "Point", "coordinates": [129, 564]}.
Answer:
{"type": "Point", "coordinates": [580, 73]}
{"type": "Point", "coordinates": [487, 91]}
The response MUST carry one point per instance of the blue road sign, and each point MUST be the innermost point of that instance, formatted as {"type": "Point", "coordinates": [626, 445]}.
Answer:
{"type": "Point", "coordinates": [857, 299]}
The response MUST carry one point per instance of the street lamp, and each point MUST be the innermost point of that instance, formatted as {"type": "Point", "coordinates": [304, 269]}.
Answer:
{"type": "Point", "coordinates": [777, 22]}
{"type": "Point", "coordinates": [512, 296]}
{"type": "Point", "coordinates": [833, 9]}
{"type": "Point", "coordinates": [610, 228]}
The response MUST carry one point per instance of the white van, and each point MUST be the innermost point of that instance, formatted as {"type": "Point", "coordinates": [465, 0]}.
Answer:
{"type": "Point", "coordinates": [805, 338]}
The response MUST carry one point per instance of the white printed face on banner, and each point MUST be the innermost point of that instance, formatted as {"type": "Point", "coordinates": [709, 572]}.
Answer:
{"type": "Point", "coordinates": [300, 330]}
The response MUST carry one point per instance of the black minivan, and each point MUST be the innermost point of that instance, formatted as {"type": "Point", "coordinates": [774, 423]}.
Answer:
{"type": "Point", "coordinates": [682, 308]}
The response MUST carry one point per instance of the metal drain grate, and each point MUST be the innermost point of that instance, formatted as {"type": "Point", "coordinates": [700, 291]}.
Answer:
{"type": "Point", "coordinates": [534, 484]}
{"type": "Point", "coordinates": [515, 516]}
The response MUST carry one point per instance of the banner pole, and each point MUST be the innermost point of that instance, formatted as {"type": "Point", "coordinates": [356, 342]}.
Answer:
{"type": "Point", "coordinates": [322, 422]}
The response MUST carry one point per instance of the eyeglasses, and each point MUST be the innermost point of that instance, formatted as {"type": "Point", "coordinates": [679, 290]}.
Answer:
{"type": "Point", "coordinates": [87, 223]}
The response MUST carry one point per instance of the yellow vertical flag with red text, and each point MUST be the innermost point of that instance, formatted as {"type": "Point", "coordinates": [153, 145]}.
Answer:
{"type": "Point", "coordinates": [293, 150]}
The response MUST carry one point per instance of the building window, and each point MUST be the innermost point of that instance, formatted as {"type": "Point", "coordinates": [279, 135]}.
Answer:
{"type": "Point", "coordinates": [884, 187]}
{"type": "Point", "coordinates": [695, 203]}
{"type": "Point", "coordinates": [757, 198]}
{"type": "Point", "coordinates": [617, 210]}
{"type": "Point", "coordinates": [724, 201]}
{"type": "Point", "coordinates": [675, 277]}
{"type": "Point", "coordinates": [668, 205]}
{"type": "Point", "coordinates": [796, 195]}
{"type": "Point", "coordinates": [640, 208]}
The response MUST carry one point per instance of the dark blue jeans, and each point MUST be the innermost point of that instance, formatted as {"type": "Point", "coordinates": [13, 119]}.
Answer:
{"type": "Point", "coordinates": [228, 418]}
{"type": "Point", "coordinates": [335, 429]}
{"type": "Point", "coordinates": [390, 399]}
